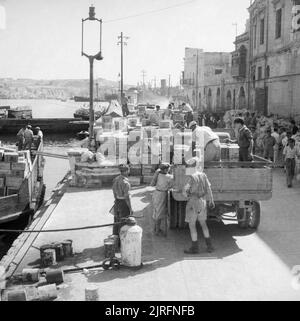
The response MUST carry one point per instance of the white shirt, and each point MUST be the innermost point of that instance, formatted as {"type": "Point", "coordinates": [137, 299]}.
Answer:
{"type": "Point", "coordinates": [203, 135]}
{"type": "Point", "coordinates": [277, 137]}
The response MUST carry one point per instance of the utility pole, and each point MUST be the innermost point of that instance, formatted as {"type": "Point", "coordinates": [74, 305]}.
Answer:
{"type": "Point", "coordinates": [236, 31]}
{"type": "Point", "coordinates": [122, 43]}
{"type": "Point", "coordinates": [143, 76]}
{"type": "Point", "coordinates": [197, 81]}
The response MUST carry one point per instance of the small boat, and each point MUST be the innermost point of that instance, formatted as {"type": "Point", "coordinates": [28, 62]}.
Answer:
{"type": "Point", "coordinates": [21, 180]}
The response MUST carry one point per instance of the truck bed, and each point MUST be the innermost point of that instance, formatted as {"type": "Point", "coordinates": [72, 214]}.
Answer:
{"type": "Point", "coordinates": [233, 181]}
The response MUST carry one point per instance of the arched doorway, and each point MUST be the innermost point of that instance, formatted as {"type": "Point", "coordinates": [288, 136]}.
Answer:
{"type": "Point", "coordinates": [209, 100]}
{"type": "Point", "coordinates": [218, 99]}
{"type": "Point", "coordinates": [242, 98]}
{"type": "Point", "coordinates": [228, 100]}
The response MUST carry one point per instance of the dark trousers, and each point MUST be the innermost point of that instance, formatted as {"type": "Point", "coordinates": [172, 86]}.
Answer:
{"type": "Point", "coordinates": [290, 170]}
{"type": "Point", "coordinates": [121, 211]}
{"type": "Point", "coordinates": [244, 155]}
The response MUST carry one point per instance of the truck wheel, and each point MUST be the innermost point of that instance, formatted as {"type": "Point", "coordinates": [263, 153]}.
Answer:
{"type": "Point", "coordinates": [254, 216]}
{"type": "Point", "coordinates": [242, 216]}
{"type": "Point", "coordinates": [249, 218]}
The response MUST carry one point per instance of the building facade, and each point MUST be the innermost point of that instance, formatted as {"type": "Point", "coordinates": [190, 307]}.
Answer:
{"type": "Point", "coordinates": [262, 74]}
{"type": "Point", "coordinates": [217, 81]}
{"type": "Point", "coordinates": [275, 57]}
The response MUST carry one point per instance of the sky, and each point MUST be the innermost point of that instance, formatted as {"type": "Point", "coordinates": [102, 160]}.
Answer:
{"type": "Point", "coordinates": [41, 39]}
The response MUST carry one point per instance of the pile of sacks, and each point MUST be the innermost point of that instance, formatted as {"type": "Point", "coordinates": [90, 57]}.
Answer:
{"type": "Point", "coordinates": [96, 158]}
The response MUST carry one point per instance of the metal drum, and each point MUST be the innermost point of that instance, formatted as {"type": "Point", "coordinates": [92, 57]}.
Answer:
{"type": "Point", "coordinates": [109, 248]}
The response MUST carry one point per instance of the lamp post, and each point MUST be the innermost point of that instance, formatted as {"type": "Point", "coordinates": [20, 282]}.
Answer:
{"type": "Point", "coordinates": [92, 57]}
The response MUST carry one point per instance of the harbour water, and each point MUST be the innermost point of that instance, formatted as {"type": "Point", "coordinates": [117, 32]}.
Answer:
{"type": "Point", "coordinates": [55, 169]}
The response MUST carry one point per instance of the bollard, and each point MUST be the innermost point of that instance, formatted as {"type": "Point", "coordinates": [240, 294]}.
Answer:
{"type": "Point", "coordinates": [31, 275]}
{"type": "Point", "coordinates": [55, 276]}
{"type": "Point", "coordinates": [67, 248]}
{"type": "Point", "coordinates": [47, 292]}
{"type": "Point", "coordinates": [16, 295]}
{"type": "Point", "coordinates": [48, 255]}
{"type": "Point", "coordinates": [92, 293]}
{"type": "Point", "coordinates": [59, 251]}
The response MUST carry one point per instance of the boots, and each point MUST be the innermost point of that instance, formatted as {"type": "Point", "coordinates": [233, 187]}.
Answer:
{"type": "Point", "coordinates": [209, 246]}
{"type": "Point", "coordinates": [194, 249]}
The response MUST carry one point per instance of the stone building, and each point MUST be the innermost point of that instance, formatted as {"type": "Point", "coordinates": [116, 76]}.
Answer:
{"type": "Point", "coordinates": [217, 81]}
{"type": "Point", "coordinates": [275, 57]}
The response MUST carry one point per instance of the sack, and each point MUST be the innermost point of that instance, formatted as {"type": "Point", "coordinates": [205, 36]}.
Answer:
{"type": "Point", "coordinates": [87, 157]}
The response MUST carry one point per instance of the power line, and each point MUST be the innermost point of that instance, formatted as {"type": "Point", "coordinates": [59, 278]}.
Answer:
{"type": "Point", "coordinates": [149, 12]}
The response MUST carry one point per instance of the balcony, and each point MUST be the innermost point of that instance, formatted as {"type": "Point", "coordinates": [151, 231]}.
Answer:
{"type": "Point", "coordinates": [188, 82]}
{"type": "Point", "coordinates": [239, 63]}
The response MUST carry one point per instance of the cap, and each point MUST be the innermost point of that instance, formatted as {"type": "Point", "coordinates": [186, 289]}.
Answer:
{"type": "Point", "coordinates": [193, 123]}
{"type": "Point", "coordinates": [123, 168]}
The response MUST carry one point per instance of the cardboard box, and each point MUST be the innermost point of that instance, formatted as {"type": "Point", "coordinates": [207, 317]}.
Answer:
{"type": "Point", "coordinates": [11, 157]}
{"type": "Point", "coordinates": [14, 182]}
{"type": "Point", "coordinates": [5, 166]}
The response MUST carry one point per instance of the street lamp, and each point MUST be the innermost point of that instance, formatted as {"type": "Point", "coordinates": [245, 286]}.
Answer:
{"type": "Point", "coordinates": [92, 57]}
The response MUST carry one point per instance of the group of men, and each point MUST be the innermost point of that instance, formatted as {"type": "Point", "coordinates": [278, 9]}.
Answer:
{"type": "Point", "coordinates": [26, 137]}
{"type": "Point", "coordinates": [197, 188]}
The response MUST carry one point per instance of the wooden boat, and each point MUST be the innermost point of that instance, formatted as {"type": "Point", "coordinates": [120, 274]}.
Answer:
{"type": "Point", "coordinates": [30, 195]}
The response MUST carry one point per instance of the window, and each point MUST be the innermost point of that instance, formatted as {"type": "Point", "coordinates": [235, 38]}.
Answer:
{"type": "Point", "coordinates": [254, 34]}
{"type": "Point", "coordinates": [268, 72]}
{"type": "Point", "coordinates": [259, 76]}
{"type": "Point", "coordinates": [262, 31]}
{"type": "Point", "coordinates": [278, 23]}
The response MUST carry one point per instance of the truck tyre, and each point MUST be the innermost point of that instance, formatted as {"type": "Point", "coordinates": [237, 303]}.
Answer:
{"type": "Point", "coordinates": [252, 219]}
{"type": "Point", "coordinates": [242, 216]}
{"type": "Point", "coordinates": [254, 216]}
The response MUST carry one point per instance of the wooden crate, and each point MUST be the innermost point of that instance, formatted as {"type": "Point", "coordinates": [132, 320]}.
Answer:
{"type": "Point", "coordinates": [14, 182]}
{"type": "Point", "coordinates": [147, 179]}
{"type": "Point", "coordinates": [20, 166]}
{"type": "Point", "coordinates": [3, 191]}
{"type": "Point", "coordinates": [11, 191]}
{"type": "Point", "coordinates": [11, 157]}
{"type": "Point", "coordinates": [18, 173]}
{"type": "Point", "coordinates": [5, 166]}
{"type": "Point", "coordinates": [2, 182]}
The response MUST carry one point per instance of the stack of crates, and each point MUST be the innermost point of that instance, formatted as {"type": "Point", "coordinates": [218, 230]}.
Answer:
{"type": "Point", "coordinates": [122, 148]}
{"type": "Point", "coordinates": [14, 167]}
{"type": "Point", "coordinates": [148, 172]}
{"type": "Point", "coordinates": [230, 152]}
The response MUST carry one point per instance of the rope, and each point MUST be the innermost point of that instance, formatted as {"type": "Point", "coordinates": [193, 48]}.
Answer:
{"type": "Point", "coordinates": [66, 229]}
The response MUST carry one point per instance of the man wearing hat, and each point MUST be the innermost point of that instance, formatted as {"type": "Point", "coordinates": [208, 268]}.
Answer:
{"type": "Point", "coordinates": [197, 190]}
{"type": "Point", "coordinates": [28, 136]}
{"type": "Point", "coordinates": [121, 188]}
{"type": "Point", "coordinates": [205, 139]}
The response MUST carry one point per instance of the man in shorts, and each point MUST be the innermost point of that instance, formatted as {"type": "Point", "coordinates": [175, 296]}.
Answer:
{"type": "Point", "coordinates": [198, 190]}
